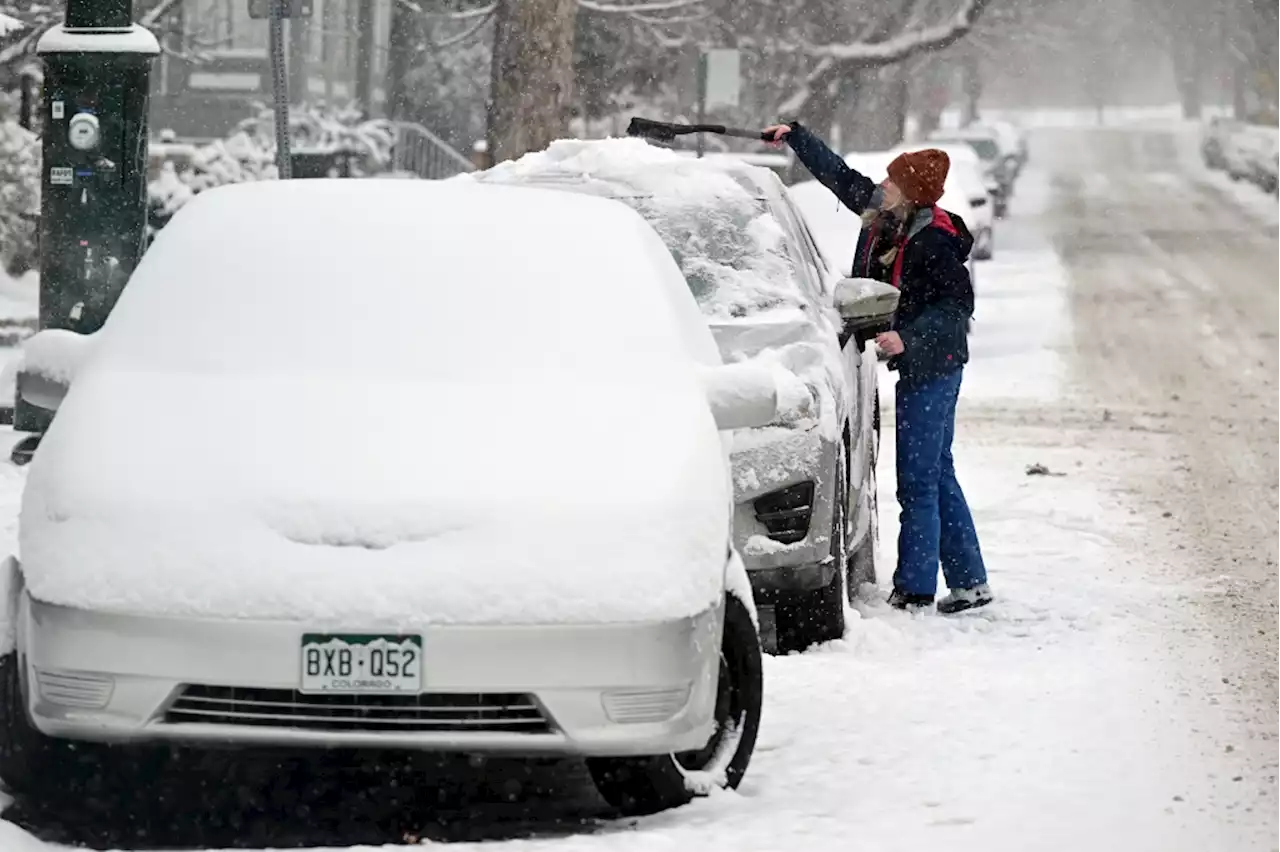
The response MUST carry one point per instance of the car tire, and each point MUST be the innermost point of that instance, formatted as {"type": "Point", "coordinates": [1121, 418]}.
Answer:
{"type": "Point", "coordinates": [32, 764]}
{"type": "Point", "coordinates": [988, 249]}
{"type": "Point", "coordinates": [862, 562]}
{"type": "Point", "coordinates": [637, 786]}
{"type": "Point", "coordinates": [861, 568]}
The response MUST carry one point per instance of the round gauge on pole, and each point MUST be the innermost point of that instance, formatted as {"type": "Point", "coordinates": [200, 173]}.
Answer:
{"type": "Point", "coordinates": [83, 132]}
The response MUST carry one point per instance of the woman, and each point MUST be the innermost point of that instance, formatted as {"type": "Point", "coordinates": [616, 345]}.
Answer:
{"type": "Point", "coordinates": [911, 243]}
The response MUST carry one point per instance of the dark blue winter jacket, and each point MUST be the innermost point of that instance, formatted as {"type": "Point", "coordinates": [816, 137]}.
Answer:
{"type": "Point", "coordinates": [936, 300]}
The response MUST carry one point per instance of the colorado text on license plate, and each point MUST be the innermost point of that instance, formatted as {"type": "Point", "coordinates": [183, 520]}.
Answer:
{"type": "Point", "coordinates": [351, 663]}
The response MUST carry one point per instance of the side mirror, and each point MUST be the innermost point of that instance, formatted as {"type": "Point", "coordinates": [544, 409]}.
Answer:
{"type": "Point", "coordinates": [864, 301]}
{"type": "Point", "coordinates": [867, 307]}
{"type": "Point", "coordinates": [50, 361]}
{"type": "Point", "coordinates": [741, 396]}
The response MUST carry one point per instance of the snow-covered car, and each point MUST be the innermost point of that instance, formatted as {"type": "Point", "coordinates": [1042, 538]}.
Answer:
{"type": "Point", "coordinates": [1213, 140]}
{"type": "Point", "coordinates": [1250, 153]}
{"type": "Point", "coordinates": [433, 467]}
{"type": "Point", "coordinates": [836, 227]}
{"type": "Point", "coordinates": [1013, 143]}
{"type": "Point", "coordinates": [998, 171]}
{"type": "Point", "coordinates": [1236, 158]}
{"type": "Point", "coordinates": [804, 486]}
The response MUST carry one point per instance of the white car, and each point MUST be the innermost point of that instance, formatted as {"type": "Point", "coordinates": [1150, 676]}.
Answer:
{"type": "Point", "coordinates": [1214, 136]}
{"type": "Point", "coordinates": [1012, 140]}
{"type": "Point", "coordinates": [804, 486]}
{"type": "Point", "coordinates": [389, 465]}
{"type": "Point", "coordinates": [836, 227]}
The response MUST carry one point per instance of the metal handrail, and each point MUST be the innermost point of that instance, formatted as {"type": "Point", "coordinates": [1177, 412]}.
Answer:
{"type": "Point", "coordinates": [419, 151]}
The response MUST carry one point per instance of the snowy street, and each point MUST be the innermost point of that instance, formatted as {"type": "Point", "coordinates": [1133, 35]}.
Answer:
{"type": "Point", "coordinates": [1117, 441]}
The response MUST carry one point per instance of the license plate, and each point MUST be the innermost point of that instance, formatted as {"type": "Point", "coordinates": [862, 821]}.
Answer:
{"type": "Point", "coordinates": [354, 664]}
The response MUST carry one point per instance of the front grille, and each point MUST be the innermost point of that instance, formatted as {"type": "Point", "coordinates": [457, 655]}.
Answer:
{"type": "Point", "coordinates": [438, 712]}
{"type": "Point", "coordinates": [786, 513]}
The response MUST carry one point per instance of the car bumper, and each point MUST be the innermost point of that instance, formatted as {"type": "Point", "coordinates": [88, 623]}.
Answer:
{"type": "Point", "coordinates": [629, 689]}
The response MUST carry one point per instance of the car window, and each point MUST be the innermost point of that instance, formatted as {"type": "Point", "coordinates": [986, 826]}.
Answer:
{"type": "Point", "coordinates": [735, 255]}
{"type": "Point", "coordinates": [809, 246]}
{"type": "Point", "coordinates": [809, 264]}
{"type": "Point", "coordinates": [738, 259]}
{"type": "Point", "coordinates": [986, 149]}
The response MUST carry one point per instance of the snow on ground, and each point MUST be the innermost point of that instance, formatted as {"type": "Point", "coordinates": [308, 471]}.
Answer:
{"type": "Point", "coordinates": [1068, 715]}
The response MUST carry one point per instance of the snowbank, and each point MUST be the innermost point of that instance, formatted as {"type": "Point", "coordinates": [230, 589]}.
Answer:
{"type": "Point", "coordinates": [495, 437]}
{"type": "Point", "coordinates": [19, 196]}
{"type": "Point", "coordinates": [249, 153]}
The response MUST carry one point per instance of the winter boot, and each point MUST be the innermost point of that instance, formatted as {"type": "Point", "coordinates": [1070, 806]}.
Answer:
{"type": "Point", "coordinates": [962, 599]}
{"type": "Point", "coordinates": [903, 600]}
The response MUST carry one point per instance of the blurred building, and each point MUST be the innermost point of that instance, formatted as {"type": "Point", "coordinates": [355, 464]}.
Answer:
{"type": "Point", "coordinates": [215, 67]}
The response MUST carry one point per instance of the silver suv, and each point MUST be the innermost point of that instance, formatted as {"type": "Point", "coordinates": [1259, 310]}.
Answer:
{"type": "Point", "coordinates": [804, 486]}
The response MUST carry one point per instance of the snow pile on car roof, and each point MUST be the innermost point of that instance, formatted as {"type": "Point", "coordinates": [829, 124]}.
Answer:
{"type": "Point", "coordinates": [711, 215]}
{"type": "Point", "coordinates": [409, 403]}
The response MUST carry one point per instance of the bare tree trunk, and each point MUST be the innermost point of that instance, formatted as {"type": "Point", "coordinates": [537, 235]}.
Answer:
{"type": "Point", "coordinates": [1187, 61]}
{"type": "Point", "coordinates": [364, 57]}
{"type": "Point", "coordinates": [1239, 99]}
{"type": "Point", "coordinates": [932, 94]}
{"type": "Point", "coordinates": [406, 32]}
{"type": "Point", "coordinates": [972, 87]}
{"type": "Point", "coordinates": [873, 112]}
{"type": "Point", "coordinates": [532, 77]}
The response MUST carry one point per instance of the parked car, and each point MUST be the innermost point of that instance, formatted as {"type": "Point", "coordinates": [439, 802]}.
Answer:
{"type": "Point", "coordinates": [804, 486]}
{"type": "Point", "coordinates": [1013, 142]}
{"type": "Point", "coordinates": [1213, 140]}
{"type": "Point", "coordinates": [999, 171]}
{"type": "Point", "coordinates": [1236, 159]}
{"type": "Point", "coordinates": [1262, 154]}
{"type": "Point", "coordinates": [836, 227]}
{"type": "Point", "coordinates": [339, 485]}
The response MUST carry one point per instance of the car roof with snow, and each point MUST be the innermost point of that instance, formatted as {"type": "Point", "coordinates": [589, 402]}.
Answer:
{"type": "Point", "coordinates": [716, 216]}
{"type": "Point", "coordinates": [385, 276]}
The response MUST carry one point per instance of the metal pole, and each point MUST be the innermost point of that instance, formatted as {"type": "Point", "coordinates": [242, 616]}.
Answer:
{"type": "Point", "coordinates": [702, 100]}
{"type": "Point", "coordinates": [280, 90]}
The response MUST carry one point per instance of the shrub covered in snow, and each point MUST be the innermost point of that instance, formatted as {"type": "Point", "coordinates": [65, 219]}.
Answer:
{"type": "Point", "coordinates": [249, 154]}
{"type": "Point", "coordinates": [19, 196]}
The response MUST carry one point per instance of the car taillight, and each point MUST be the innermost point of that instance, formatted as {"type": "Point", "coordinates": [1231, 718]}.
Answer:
{"type": "Point", "coordinates": [786, 513]}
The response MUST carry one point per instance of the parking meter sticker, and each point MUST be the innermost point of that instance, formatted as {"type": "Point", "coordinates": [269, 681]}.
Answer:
{"type": "Point", "coordinates": [61, 175]}
{"type": "Point", "coordinates": [58, 109]}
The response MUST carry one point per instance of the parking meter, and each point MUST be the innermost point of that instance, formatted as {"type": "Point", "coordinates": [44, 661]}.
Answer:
{"type": "Point", "coordinates": [94, 183]}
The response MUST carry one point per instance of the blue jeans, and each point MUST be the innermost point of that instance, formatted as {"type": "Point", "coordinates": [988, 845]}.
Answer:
{"type": "Point", "coordinates": [937, 526]}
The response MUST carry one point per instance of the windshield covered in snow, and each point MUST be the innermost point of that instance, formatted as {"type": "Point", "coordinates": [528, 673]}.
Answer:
{"type": "Point", "coordinates": [732, 250]}
{"type": "Point", "coordinates": [733, 256]}
{"type": "Point", "coordinates": [987, 149]}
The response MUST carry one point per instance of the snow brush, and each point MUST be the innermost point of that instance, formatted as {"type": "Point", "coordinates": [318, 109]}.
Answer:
{"type": "Point", "coordinates": [662, 131]}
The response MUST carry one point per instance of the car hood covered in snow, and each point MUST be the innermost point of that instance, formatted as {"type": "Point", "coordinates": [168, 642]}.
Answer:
{"type": "Point", "coordinates": [332, 503]}
{"type": "Point", "coordinates": [380, 418]}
